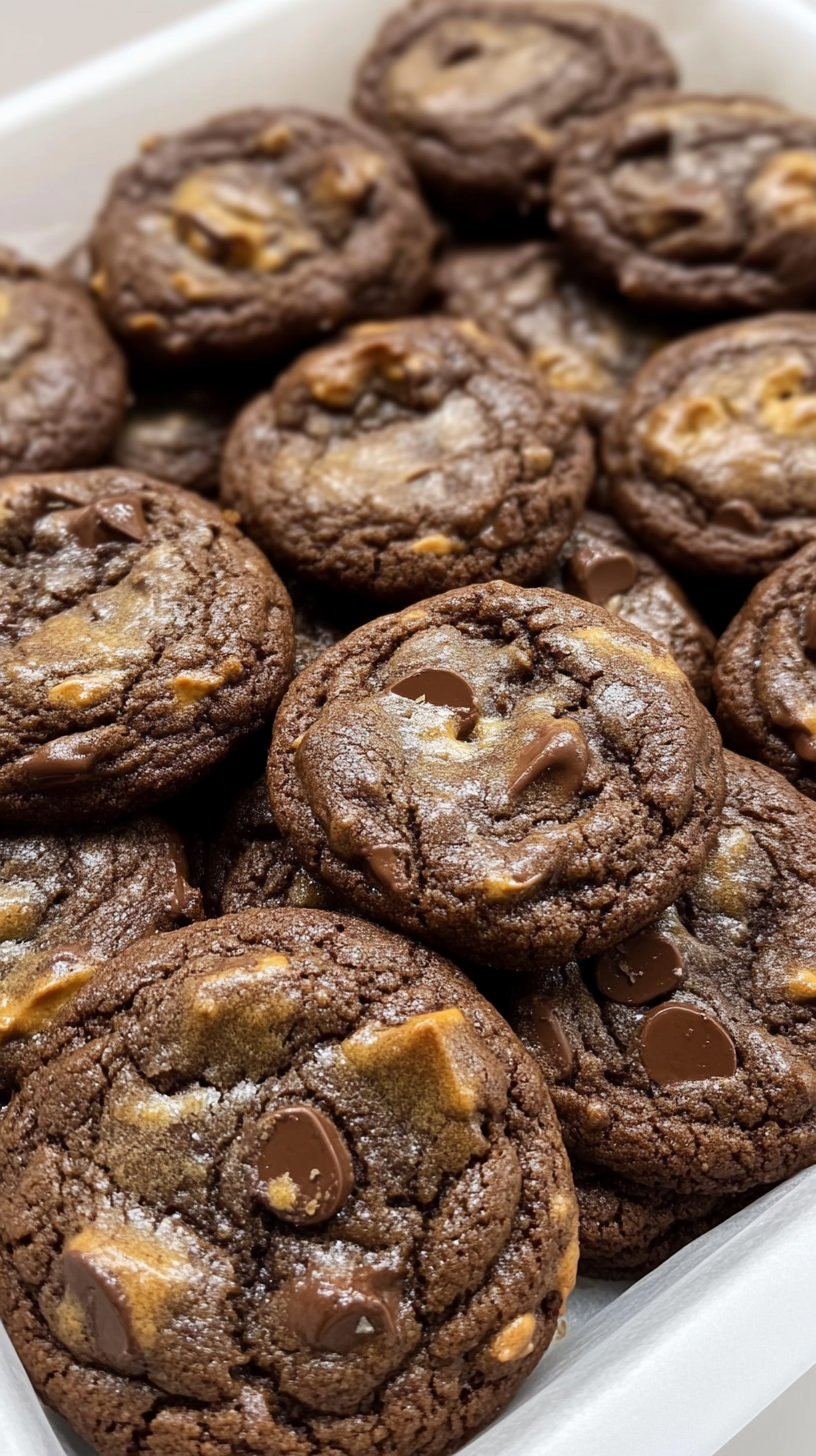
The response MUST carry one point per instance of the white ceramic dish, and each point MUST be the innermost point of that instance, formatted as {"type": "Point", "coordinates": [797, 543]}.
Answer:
{"type": "Point", "coordinates": [678, 1363]}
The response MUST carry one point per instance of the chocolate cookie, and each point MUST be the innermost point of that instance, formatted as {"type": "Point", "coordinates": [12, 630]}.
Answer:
{"type": "Point", "coordinates": [141, 637]}
{"type": "Point", "coordinates": [766, 673]}
{"type": "Point", "coordinates": [712, 456]}
{"type": "Point", "coordinates": [580, 342]}
{"type": "Point", "coordinates": [68, 903]}
{"type": "Point", "coordinates": [406, 459]}
{"type": "Point", "coordinates": [686, 1057]}
{"type": "Point", "coordinates": [238, 1212]}
{"type": "Point", "coordinates": [63, 383]}
{"type": "Point", "coordinates": [603, 565]}
{"type": "Point", "coordinates": [478, 93]}
{"type": "Point", "coordinates": [510, 771]}
{"type": "Point", "coordinates": [251, 866]}
{"type": "Point", "coordinates": [256, 233]}
{"type": "Point", "coordinates": [626, 1231]}
{"type": "Point", "coordinates": [694, 202]}
{"type": "Point", "coordinates": [178, 437]}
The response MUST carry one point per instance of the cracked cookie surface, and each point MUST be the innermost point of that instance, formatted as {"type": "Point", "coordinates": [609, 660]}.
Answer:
{"type": "Point", "coordinates": [478, 94]}
{"type": "Point", "coordinates": [601, 564]}
{"type": "Point", "coordinates": [256, 233]}
{"type": "Point", "coordinates": [582, 344]}
{"type": "Point", "coordinates": [765, 677]}
{"type": "Point", "coordinates": [293, 1183]}
{"type": "Point", "coordinates": [508, 769]}
{"type": "Point", "coordinates": [63, 383]}
{"type": "Point", "coordinates": [712, 455]}
{"type": "Point", "coordinates": [406, 459]}
{"type": "Point", "coordinates": [685, 1058]}
{"type": "Point", "coordinates": [701, 203]}
{"type": "Point", "coordinates": [68, 903]}
{"type": "Point", "coordinates": [141, 637]}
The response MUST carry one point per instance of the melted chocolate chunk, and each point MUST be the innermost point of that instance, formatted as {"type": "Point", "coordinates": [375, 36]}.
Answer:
{"type": "Point", "coordinates": [105, 1308]}
{"type": "Point", "coordinates": [552, 1039]}
{"type": "Point", "coordinates": [342, 1314]}
{"type": "Point", "coordinates": [387, 867]}
{"type": "Point", "coordinates": [443, 689]}
{"type": "Point", "coordinates": [737, 515]}
{"type": "Point", "coordinates": [63, 761]}
{"type": "Point", "coordinates": [112, 518]}
{"type": "Point", "coordinates": [640, 970]}
{"type": "Point", "coordinates": [300, 1166]}
{"type": "Point", "coordinates": [682, 1044]}
{"type": "Point", "coordinates": [597, 573]}
{"type": "Point", "coordinates": [559, 751]}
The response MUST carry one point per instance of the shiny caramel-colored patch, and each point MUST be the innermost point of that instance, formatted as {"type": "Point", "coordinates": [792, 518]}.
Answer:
{"type": "Point", "coordinates": [515, 1340]}
{"type": "Point", "coordinates": [36, 1004]}
{"type": "Point", "coordinates": [604, 641]}
{"type": "Point", "coordinates": [429, 1066]}
{"type": "Point", "coordinates": [83, 692]}
{"type": "Point", "coordinates": [437, 545]}
{"type": "Point", "coordinates": [21, 910]}
{"type": "Point", "coordinates": [800, 984]}
{"type": "Point", "coordinates": [145, 323]}
{"type": "Point", "coordinates": [785, 189]}
{"type": "Point", "coordinates": [191, 687]}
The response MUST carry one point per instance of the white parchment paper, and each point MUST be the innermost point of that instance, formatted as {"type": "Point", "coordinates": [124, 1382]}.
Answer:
{"type": "Point", "coordinates": [676, 1364]}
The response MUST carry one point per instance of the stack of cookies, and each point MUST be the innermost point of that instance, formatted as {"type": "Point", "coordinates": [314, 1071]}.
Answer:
{"type": "Point", "coordinates": [396, 514]}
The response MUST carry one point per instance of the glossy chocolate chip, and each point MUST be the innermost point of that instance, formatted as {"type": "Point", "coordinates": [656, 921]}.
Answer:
{"type": "Point", "coordinates": [105, 1308]}
{"type": "Point", "coordinates": [738, 515]}
{"type": "Point", "coordinates": [300, 1167]}
{"type": "Point", "coordinates": [809, 635]}
{"type": "Point", "coordinates": [683, 1044]}
{"type": "Point", "coordinates": [560, 751]}
{"type": "Point", "coordinates": [62, 761]}
{"type": "Point", "coordinates": [640, 970]}
{"type": "Point", "coordinates": [597, 573]}
{"type": "Point", "coordinates": [443, 689]}
{"type": "Point", "coordinates": [342, 1313]}
{"type": "Point", "coordinates": [551, 1038]}
{"type": "Point", "coordinates": [112, 518]}
{"type": "Point", "coordinates": [386, 865]}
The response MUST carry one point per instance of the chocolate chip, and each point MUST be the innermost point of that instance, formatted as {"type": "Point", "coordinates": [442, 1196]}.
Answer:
{"type": "Point", "coordinates": [597, 573]}
{"type": "Point", "coordinates": [551, 1038]}
{"type": "Point", "coordinates": [558, 750]}
{"type": "Point", "coordinates": [300, 1166]}
{"type": "Point", "coordinates": [443, 689]}
{"type": "Point", "coordinates": [682, 1044]}
{"type": "Point", "coordinates": [106, 1310]}
{"type": "Point", "coordinates": [640, 970]}
{"type": "Point", "coordinates": [387, 866]}
{"type": "Point", "coordinates": [809, 634]}
{"type": "Point", "coordinates": [738, 515]}
{"type": "Point", "coordinates": [341, 1313]}
{"type": "Point", "coordinates": [63, 761]}
{"type": "Point", "coordinates": [804, 746]}
{"type": "Point", "coordinates": [112, 518]}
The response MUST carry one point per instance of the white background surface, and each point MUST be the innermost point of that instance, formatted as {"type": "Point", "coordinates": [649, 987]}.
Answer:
{"type": "Point", "coordinates": [42, 37]}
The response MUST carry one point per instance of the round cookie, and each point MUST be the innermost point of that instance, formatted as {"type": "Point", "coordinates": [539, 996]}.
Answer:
{"type": "Point", "coordinates": [694, 202]}
{"type": "Point", "coordinates": [712, 456]}
{"type": "Point", "coordinates": [63, 384]}
{"type": "Point", "coordinates": [178, 437]}
{"type": "Point", "coordinates": [251, 866]}
{"type": "Point", "coordinates": [765, 677]}
{"type": "Point", "coordinates": [579, 341]}
{"type": "Point", "coordinates": [141, 637]}
{"type": "Point", "coordinates": [513, 771]}
{"type": "Point", "coordinates": [407, 459]}
{"type": "Point", "coordinates": [478, 94]}
{"type": "Point", "coordinates": [601, 564]}
{"type": "Point", "coordinates": [68, 903]}
{"type": "Point", "coordinates": [686, 1057]}
{"type": "Point", "coordinates": [256, 1228]}
{"type": "Point", "coordinates": [626, 1231]}
{"type": "Point", "coordinates": [255, 233]}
